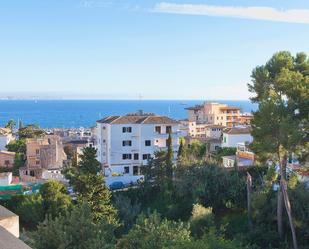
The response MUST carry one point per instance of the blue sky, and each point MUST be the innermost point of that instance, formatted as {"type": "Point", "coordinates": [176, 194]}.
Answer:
{"type": "Point", "coordinates": [117, 49]}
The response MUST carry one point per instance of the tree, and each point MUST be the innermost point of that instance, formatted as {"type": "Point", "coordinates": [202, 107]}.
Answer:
{"type": "Point", "coordinates": [75, 229]}
{"type": "Point", "coordinates": [127, 211]}
{"type": "Point", "coordinates": [56, 201]}
{"type": "Point", "coordinates": [17, 146]}
{"type": "Point", "coordinates": [30, 131]}
{"type": "Point", "coordinates": [201, 220]}
{"type": "Point", "coordinates": [10, 124]}
{"type": "Point", "coordinates": [169, 158]}
{"type": "Point", "coordinates": [89, 185]}
{"type": "Point", "coordinates": [29, 208]}
{"type": "Point", "coordinates": [281, 89]}
{"type": "Point", "coordinates": [155, 233]}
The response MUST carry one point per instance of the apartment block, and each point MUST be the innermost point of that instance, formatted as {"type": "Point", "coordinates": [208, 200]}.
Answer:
{"type": "Point", "coordinates": [217, 114]}
{"type": "Point", "coordinates": [126, 142]}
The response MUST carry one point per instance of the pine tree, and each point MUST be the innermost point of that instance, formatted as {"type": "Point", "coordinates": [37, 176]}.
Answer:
{"type": "Point", "coordinates": [281, 88]}
{"type": "Point", "coordinates": [89, 185]}
{"type": "Point", "coordinates": [169, 158]}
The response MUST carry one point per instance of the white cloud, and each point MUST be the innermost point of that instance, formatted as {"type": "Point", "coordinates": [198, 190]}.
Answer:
{"type": "Point", "coordinates": [257, 13]}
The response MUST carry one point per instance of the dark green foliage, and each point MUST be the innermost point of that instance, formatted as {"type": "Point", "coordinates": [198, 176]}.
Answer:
{"type": "Point", "coordinates": [201, 220]}
{"type": "Point", "coordinates": [18, 146]}
{"type": "Point", "coordinates": [74, 230]}
{"type": "Point", "coordinates": [155, 233]}
{"type": "Point", "coordinates": [127, 211]}
{"type": "Point", "coordinates": [56, 201]}
{"type": "Point", "coordinates": [89, 185]}
{"type": "Point", "coordinates": [211, 240]}
{"type": "Point", "coordinates": [212, 186]}
{"type": "Point", "coordinates": [169, 158]}
{"type": "Point", "coordinates": [30, 131]}
{"type": "Point", "coordinates": [10, 124]}
{"type": "Point", "coordinates": [29, 208]}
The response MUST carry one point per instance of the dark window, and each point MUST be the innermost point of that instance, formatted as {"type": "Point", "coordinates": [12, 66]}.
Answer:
{"type": "Point", "coordinates": [126, 156]}
{"type": "Point", "coordinates": [158, 129]}
{"type": "Point", "coordinates": [147, 143]}
{"type": "Point", "coordinates": [135, 170]}
{"type": "Point", "coordinates": [168, 129]}
{"type": "Point", "coordinates": [31, 172]}
{"type": "Point", "coordinates": [6, 162]}
{"type": "Point", "coordinates": [135, 156]}
{"type": "Point", "coordinates": [127, 170]}
{"type": "Point", "coordinates": [37, 162]}
{"type": "Point", "coordinates": [37, 151]}
{"type": "Point", "coordinates": [127, 143]}
{"type": "Point", "coordinates": [146, 156]}
{"type": "Point", "coordinates": [126, 129]}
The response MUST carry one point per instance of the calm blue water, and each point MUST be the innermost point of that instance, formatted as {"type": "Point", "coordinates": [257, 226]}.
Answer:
{"type": "Point", "coordinates": [84, 113]}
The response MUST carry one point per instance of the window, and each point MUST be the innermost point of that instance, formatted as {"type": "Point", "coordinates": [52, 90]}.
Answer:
{"type": "Point", "coordinates": [37, 162]}
{"type": "Point", "coordinates": [126, 169]}
{"type": "Point", "coordinates": [158, 129]}
{"type": "Point", "coordinates": [147, 143]}
{"type": "Point", "coordinates": [6, 163]}
{"type": "Point", "coordinates": [146, 156]}
{"type": "Point", "coordinates": [168, 129]}
{"type": "Point", "coordinates": [126, 129]}
{"type": "Point", "coordinates": [37, 151]}
{"type": "Point", "coordinates": [126, 156]}
{"type": "Point", "coordinates": [136, 156]}
{"type": "Point", "coordinates": [127, 143]}
{"type": "Point", "coordinates": [135, 170]}
{"type": "Point", "coordinates": [104, 141]}
{"type": "Point", "coordinates": [104, 128]}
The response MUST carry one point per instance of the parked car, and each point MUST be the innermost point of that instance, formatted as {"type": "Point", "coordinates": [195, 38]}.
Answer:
{"type": "Point", "coordinates": [116, 185]}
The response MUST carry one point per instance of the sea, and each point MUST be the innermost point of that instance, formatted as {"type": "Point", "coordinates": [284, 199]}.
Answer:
{"type": "Point", "coordinates": [84, 113]}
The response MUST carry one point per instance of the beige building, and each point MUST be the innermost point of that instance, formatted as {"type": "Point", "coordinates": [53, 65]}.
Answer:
{"type": "Point", "coordinates": [216, 113]}
{"type": "Point", "coordinates": [201, 130]}
{"type": "Point", "coordinates": [9, 230]}
{"type": "Point", "coordinates": [7, 159]}
{"type": "Point", "coordinates": [43, 154]}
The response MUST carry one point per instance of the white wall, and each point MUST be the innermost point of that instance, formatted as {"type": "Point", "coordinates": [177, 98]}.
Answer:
{"type": "Point", "coordinates": [114, 149]}
{"type": "Point", "coordinates": [4, 140]}
{"type": "Point", "coordinates": [6, 179]}
{"type": "Point", "coordinates": [231, 140]}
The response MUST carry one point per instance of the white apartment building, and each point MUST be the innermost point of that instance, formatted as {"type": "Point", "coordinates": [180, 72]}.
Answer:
{"type": "Point", "coordinates": [126, 142]}
{"type": "Point", "coordinates": [231, 137]}
{"type": "Point", "coordinates": [5, 137]}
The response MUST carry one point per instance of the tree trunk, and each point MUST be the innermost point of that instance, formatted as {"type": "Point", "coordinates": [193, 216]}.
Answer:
{"type": "Point", "coordinates": [280, 203]}
{"type": "Point", "coordinates": [289, 212]}
{"type": "Point", "coordinates": [249, 186]}
{"type": "Point", "coordinates": [279, 213]}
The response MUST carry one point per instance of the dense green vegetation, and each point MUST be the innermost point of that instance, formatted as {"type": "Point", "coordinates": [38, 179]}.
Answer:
{"type": "Point", "coordinates": [194, 202]}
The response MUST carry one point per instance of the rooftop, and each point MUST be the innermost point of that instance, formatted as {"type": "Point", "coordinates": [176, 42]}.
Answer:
{"type": "Point", "coordinates": [7, 152]}
{"type": "Point", "coordinates": [139, 118]}
{"type": "Point", "coordinates": [237, 130]}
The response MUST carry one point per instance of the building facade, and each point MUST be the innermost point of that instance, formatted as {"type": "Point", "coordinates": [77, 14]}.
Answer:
{"type": "Point", "coordinates": [43, 154]}
{"type": "Point", "coordinates": [125, 143]}
{"type": "Point", "coordinates": [7, 159]}
{"type": "Point", "coordinates": [232, 136]}
{"type": "Point", "coordinates": [217, 114]}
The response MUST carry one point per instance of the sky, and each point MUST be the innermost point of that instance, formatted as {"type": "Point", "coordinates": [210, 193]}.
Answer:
{"type": "Point", "coordinates": [121, 49]}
